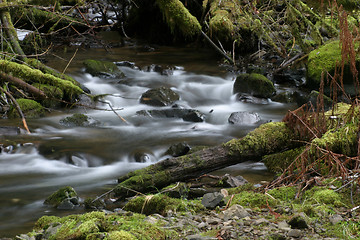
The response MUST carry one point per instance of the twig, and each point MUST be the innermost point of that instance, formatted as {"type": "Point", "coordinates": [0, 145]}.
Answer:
{"type": "Point", "coordinates": [67, 65]}
{"type": "Point", "coordinates": [102, 195]}
{"type": "Point", "coordinates": [217, 48]}
{"type": "Point", "coordinates": [113, 110]}
{"type": "Point", "coordinates": [17, 108]}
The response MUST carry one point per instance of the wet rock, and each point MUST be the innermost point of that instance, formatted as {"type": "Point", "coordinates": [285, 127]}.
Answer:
{"type": "Point", "coordinates": [141, 157]}
{"type": "Point", "coordinates": [235, 211]}
{"type": "Point", "coordinates": [189, 115]}
{"type": "Point", "coordinates": [252, 99]}
{"type": "Point", "coordinates": [243, 118]}
{"type": "Point", "coordinates": [103, 68]}
{"type": "Point", "coordinates": [162, 96]}
{"type": "Point", "coordinates": [64, 198]}
{"type": "Point", "coordinates": [290, 76]}
{"type": "Point", "coordinates": [178, 149]}
{"type": "Point", "coordinates": [125, 64]}
{"type": "Point", "coordinates": [159, 69]}
{"type": "Point", "coordinates": [79, 120]}
{"type": "Point", "coordinates": [298, 222]}
{"type": "Point", "coordinates": [194, 116]}
{"type": "Point", "coordinates": [313, 98]}
{"type": "Point", "coordinates": [254, 84]}
{"type": "Point", "coordinates": [211, 200]}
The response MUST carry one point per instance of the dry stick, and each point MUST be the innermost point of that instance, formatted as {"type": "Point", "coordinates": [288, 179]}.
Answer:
{"type": "Point", "coordinates": [67, 65]}
{"type": "Point", "coordinates": [217, 48]}
{"type": "Point", "coordinates": [114, 111]}
{"type": "Point", "coordinates": [17, 108]}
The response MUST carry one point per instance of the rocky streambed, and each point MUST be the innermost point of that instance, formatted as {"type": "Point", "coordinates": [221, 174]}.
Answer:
{"type": "Point", "coordinates": [245, 212]}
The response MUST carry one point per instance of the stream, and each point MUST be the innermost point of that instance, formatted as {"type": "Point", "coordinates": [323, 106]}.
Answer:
{"type": "Point", "coordinates": [100, 154]}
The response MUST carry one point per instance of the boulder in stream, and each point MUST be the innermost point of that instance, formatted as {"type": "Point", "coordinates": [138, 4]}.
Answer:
{"type": "Point", "coordinates": [103, 68]}
{"type": "Point", "coordinates": [255, 84]}
{"type": "Point", "coordinates": [190, 115]}
{"type": "Point", "coordinates": [244, 118]}
{"type": "Point", "coordinates": [64, 198]}
{"type": "Point", "coordinates": [162, 96]}
{"type": "Point", "coordinates": [177, 150]}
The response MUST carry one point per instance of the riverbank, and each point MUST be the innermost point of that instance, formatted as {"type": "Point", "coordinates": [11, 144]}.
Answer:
{"type": "Point", "coordinates": [325, 211]}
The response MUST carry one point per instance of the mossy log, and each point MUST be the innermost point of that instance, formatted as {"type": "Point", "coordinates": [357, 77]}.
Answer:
{"type": "Point", "coordinates": [267, 139]}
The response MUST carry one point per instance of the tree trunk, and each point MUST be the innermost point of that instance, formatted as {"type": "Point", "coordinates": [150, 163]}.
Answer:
{"type": "Point", "coordinates": [11, 32]}
{"type": "Point", "coordinates": [268, 138]}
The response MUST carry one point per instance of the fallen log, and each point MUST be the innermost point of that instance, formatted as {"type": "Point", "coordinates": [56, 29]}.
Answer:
{"type": "Point", "coordinates": [266, 139]}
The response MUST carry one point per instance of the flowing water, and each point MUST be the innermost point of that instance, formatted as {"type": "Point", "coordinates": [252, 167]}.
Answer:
{"type": "Point", "coordinates": [100, 154]}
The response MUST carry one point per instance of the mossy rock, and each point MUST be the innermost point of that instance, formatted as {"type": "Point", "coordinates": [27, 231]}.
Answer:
{"type": "Point", "coordinates": [98, 225]}
{"type": "Point", "coordinates": [79, 120]}
{"type": "Point", "coordinates": [255, 84]}
{"type": "Point", "coordinates": [325, 59]}
{"type": "Point", "coordinates": [99, 68]}
{"type": "Point", "coordinates": [162, 96]}
{"type": "Point", "coordinates": [60, 195]}
{"type": "Point", "coordinates": [30, 109]}
{"type": "Point", "coordinates": [161, 204]}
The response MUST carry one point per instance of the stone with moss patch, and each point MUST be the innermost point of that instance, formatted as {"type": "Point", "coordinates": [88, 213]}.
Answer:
{"type": "Point", "coordinates": [325, 59]}
{"type": "Point", "coordinates": [162, 96]}
{"type": "Point", "coordinates": [255, 84]}
{"type": "Point", "coordinates": [30, 109]}
{"type": "Point", "coordinates": [98, 68]}
{"type": "Point", "coordinates": [65, 195]}
{"type": "Point", "coordinates": [79, 120]}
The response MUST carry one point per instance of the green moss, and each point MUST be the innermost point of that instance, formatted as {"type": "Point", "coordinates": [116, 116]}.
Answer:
{"type": "Point", "coordinates": [36, 76]}
{"type": "Point", "coordinates": [161, 204]}
{"type": "Point", "coordinates": [325, 59]}
{"type": "Point", "coordinates": [278, 162]}
{"type": "Point", "coordinates": [239, 189]}
{"type": "Point", "coordinates": [344, 230]}
{"type": "Point", "coordinates": [96, 68]}
{"type": "Point", "coordinates": [30, 108]}
{"type": "Point", "coordinates": [284, 193]}
{"type": "Point", "coordinates": [116, 235]}
{"type": "Point", "coordinates": [254, 84]}
{"type": "Point", "coordinates": [323, 196]}
{"type": "Point", "coordinates": [45, 221]}
{"type": "Point", "coordinates": [179, 18]}
{"type": "Point", "coordinates": [266, 139]}
{"type": "Point", "coordinates": [253, 199]}
{"type": "Point", "coordinates": [221, 25]}
{"type": "Point", "coordinates": [342, 140]}
{"type": "Point", "coordinates": [60, 195]}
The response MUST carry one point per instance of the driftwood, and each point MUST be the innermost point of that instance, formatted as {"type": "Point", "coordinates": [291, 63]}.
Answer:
{"type": "Point", "coordinates": [267, 139]}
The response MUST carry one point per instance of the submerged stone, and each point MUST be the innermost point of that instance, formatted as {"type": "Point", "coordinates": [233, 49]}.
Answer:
{"type": "Point", "coordinates": [178, 149]}
{"type": "Point", "coordinates": [78, 120]}
{"type": "Point", "coordinates": [190, 115]}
